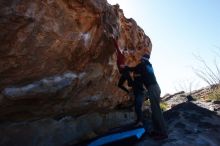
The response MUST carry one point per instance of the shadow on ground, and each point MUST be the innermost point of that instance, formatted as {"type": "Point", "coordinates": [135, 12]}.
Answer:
{"type": "Point", "coordinates": [188, 125]}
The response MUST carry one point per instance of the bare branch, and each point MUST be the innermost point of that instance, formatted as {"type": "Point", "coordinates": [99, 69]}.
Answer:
{"type": "Point", "coordinates": [206, 72]}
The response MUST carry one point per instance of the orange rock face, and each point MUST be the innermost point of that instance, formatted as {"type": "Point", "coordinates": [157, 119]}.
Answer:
{"type": "Point", "coordinates": [57, 56]}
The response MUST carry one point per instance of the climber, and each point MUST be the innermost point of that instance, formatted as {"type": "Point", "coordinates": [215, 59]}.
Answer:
{"type": "Point", "coordinates": [123, 69]}
{"type": "Point", "coordinates": [144, 75]}
{"type": "Point", "coordinates": [138, 91]}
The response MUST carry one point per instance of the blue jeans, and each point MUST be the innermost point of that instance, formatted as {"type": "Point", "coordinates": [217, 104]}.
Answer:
{"type": "Point", "coordinates": [139, 98]}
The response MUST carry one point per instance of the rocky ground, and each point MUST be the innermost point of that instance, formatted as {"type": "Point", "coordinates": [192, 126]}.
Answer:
{"type": "Point", "coordinates": [191, 121]}
{"type": "Point", "coordinates": [189, 124]}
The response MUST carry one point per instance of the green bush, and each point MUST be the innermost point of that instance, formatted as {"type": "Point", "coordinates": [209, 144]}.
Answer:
{"type": "Point", "coordinates": [164, 106]}
{"type": "Point", "coordinates": [215, 95]}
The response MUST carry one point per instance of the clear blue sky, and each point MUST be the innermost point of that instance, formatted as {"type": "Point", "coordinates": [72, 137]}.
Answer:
{"type": "Point", "coordinates": [178, 29]}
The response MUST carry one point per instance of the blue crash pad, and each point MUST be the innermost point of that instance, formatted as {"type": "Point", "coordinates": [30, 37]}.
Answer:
{"type": "Point", "coordinates": [138, 133]}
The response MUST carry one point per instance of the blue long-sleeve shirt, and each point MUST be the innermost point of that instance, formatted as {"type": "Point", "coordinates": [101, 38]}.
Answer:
{"type": "Point", "coordinates": [143, 76]}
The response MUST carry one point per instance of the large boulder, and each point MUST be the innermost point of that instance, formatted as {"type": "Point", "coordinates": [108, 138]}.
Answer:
{"type": "Point", "coordinates": [57, 56]}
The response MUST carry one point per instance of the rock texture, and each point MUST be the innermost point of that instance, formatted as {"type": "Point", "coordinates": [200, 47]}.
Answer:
{"type": "Point", "coordinates": [199, 97]}
{"type": "Point", "coordinates": [57, 57]}
{"type": "Point", "coordinates": [58, 76]}
{"type": "Point", "coordinates": [60, 131]}
{"type": "Point", "coordinates": [190, 122]}
{"type": "Point", "coordinates": [189, 125]}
